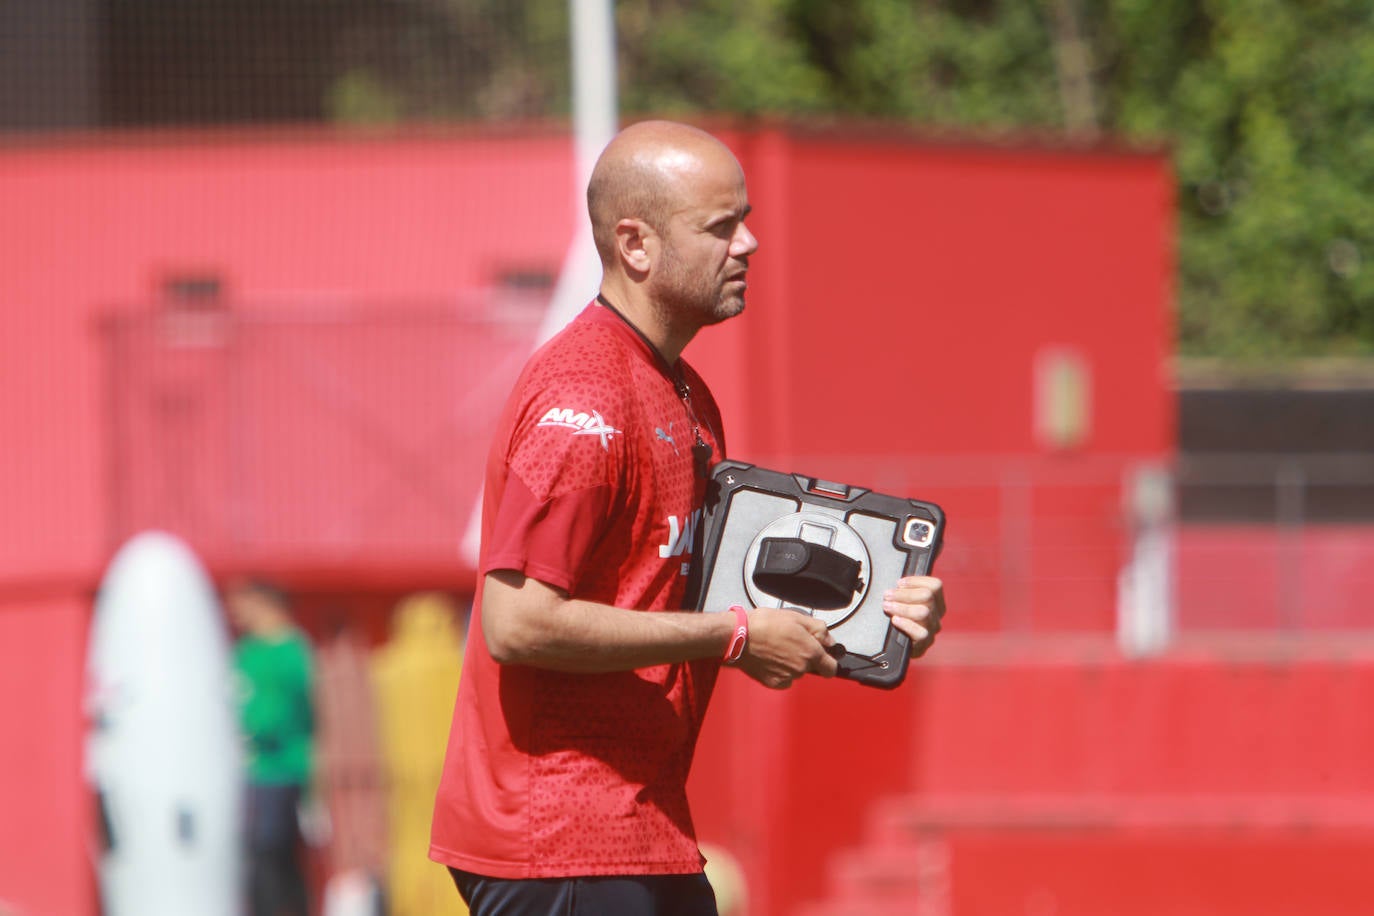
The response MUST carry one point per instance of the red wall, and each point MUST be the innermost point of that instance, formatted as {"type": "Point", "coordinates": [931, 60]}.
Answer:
{"type": "Point", "coordinates": [44, 830]}
{"type": "Point", "coordinates": [94, 226]}
{"type": "Point", "coordinates": [1316, 579]}
{"type": "Point", "coordinates": [327, 222]}
{"type": "Point", "coordinates": [1010, 753]}
{"type": "Point", "coordinates": [902, 292]}
{"type": "Point", "coordinates": [897, 304]}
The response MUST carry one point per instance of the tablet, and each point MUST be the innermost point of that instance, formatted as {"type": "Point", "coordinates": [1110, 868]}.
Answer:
{"type": "Point", "coordinates": [825, 549]}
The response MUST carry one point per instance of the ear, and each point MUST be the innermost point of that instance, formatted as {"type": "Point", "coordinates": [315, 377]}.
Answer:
{"type": "Point", "coordinates": [637, 245]}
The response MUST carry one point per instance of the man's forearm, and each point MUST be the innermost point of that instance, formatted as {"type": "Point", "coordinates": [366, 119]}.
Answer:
{"type": "Point", "coordinates": [526, 622]}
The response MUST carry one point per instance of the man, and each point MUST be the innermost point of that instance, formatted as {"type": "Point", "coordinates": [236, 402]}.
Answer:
{"type": "Point", "coordinates": [564, 788]}
{"type": "Point", "coordinates": [273, 667]}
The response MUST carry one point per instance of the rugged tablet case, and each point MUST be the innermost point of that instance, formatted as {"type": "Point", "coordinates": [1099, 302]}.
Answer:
{"type": "Point", "coordinates": [752, 549]}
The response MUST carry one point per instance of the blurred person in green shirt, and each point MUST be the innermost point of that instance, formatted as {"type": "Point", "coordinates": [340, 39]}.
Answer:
{"type": "Point", "coordinates": [273, 668]}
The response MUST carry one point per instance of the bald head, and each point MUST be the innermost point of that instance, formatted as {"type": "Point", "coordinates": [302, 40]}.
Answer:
{"type": "Point", "coordinates": [646, 172]}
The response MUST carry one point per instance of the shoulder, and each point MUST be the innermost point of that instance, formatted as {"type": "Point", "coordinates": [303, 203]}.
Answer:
{"type": "Point", "coordinates": [582, 370]}
{"type": "Point", "coordinates": [300, 641]}
{"type": "Point", "coordinates": [583, 349]}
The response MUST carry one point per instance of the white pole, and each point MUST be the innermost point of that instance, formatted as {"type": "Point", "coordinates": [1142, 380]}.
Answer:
{"type": "Point", "coordinates": [594, 111]}
{"type": "Point", "coordinates": [595, 119]}
{"type": "Point", "coordinates": [594, 102]}
{"type": "Point", "coordinates": [1146, 615]}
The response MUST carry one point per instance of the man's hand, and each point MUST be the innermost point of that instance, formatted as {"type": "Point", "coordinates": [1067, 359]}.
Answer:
{"type": "Point", "coordinates": [916, 605]}
{"type": "Point", "coordinates": [783, 646]}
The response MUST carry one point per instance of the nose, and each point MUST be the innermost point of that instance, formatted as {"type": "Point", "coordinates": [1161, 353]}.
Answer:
{"type": "Point", "coordinates": [744, 243]}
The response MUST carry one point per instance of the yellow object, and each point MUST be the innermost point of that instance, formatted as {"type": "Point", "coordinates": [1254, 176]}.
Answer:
{"type": "Point", "coordinates": [416, 678]}
{"type": "Point", "coordinates": [1063, 398]}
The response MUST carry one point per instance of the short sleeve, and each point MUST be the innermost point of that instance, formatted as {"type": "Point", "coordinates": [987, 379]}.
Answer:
{"type": "Point", "coordinates": [564, 463]}
{"type": "Point", "coordinates": [548, 539]}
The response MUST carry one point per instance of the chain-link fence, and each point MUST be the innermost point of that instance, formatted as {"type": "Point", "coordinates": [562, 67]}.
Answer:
{"type": "Point", "coordinates": [324, 435]}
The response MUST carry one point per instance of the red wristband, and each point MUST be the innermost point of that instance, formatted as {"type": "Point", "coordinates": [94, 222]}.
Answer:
{"type": "Point", "coordinates": [740, 638]}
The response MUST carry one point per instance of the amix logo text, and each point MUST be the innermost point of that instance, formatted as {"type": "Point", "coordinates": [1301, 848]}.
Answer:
{"type": "Point", "coordinates": [581, 423]}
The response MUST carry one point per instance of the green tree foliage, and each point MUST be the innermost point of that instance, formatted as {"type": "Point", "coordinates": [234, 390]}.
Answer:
{"type": "Point", "coordinates": [1267, 106]}
{"type": "Point", "coordinates": [494, 60]}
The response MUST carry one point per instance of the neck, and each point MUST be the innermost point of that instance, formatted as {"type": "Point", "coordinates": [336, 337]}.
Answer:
{"type": "Point", "coordinates": [273, 629]}
{"type": "Point", "coordinates": [649, 320]}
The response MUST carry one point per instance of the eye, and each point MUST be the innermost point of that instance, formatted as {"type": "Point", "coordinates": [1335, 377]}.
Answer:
{"type": "Point", "coordinates": [724, 229]}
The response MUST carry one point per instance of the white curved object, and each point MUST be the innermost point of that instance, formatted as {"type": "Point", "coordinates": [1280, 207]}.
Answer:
{"type": "Point", "coordinates": [163, 749]}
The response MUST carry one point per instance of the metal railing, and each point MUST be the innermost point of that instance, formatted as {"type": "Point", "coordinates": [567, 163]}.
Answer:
{"type": "Point", "coordinates": [357, 437]}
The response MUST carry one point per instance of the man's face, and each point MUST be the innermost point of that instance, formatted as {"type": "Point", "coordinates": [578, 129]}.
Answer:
{"type": "Point", "coordinates": [249, 611]}
{"type": "Point", "coordinates": [706, 245]}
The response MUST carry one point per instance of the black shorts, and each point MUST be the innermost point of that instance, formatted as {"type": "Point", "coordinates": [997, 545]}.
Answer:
{"type": "Point", "coordinates": [630, 895]}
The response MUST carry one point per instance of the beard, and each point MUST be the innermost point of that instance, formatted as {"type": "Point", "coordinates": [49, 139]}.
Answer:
{"type": "Point", "coordinates": [704, 299]}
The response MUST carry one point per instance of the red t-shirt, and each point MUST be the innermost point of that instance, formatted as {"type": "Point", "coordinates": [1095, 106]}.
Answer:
{"type": "Point", "coordinates": [590, 487]}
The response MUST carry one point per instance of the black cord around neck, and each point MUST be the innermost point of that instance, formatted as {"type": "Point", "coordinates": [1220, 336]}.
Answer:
{"type": "Point", "coordinates": [673, 370]}
{"type": "Point", "coordinates": [701, 449]}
